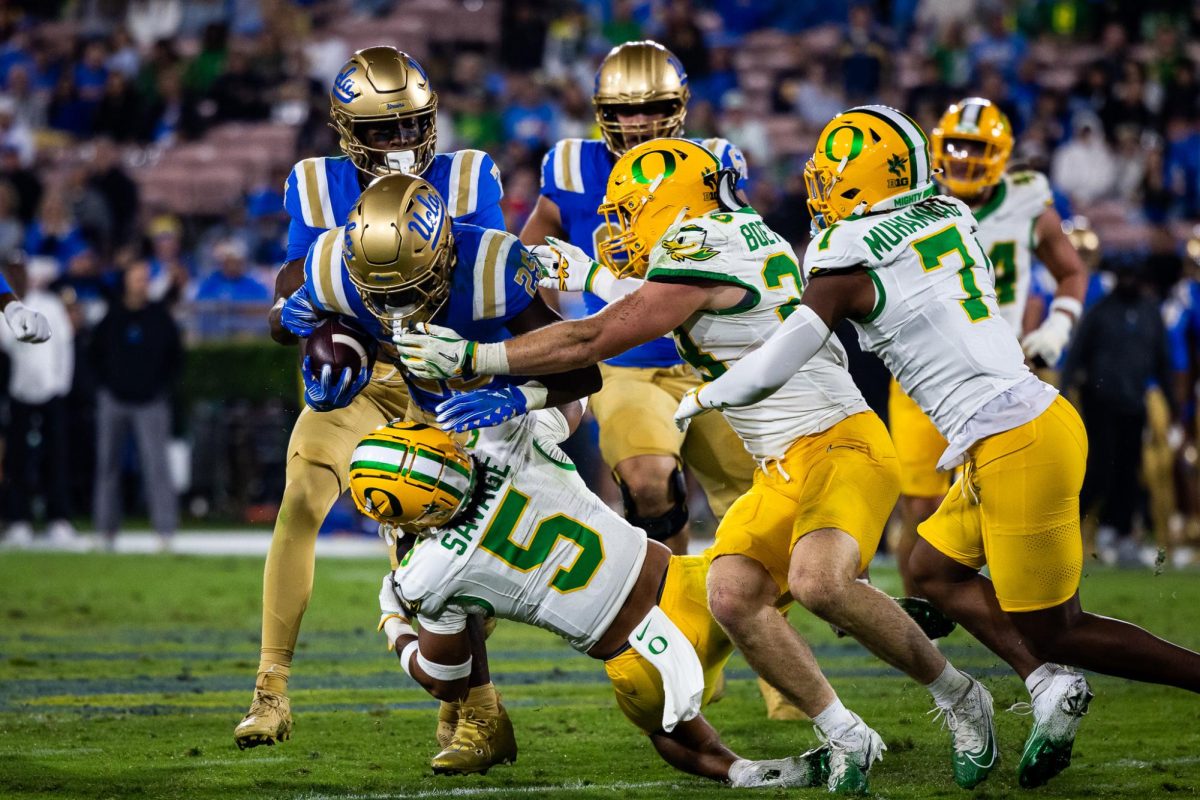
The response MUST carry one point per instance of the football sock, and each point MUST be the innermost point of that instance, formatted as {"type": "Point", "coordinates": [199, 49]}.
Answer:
{"type": "Point", "coordinates": [949, 687]}
{"type": "Point", "coordinates": [835, 720]}
{"type": "Point", "coordinates": [1040, 678]}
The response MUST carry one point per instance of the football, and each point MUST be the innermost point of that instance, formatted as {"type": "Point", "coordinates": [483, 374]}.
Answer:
{"type": "Point", "coordinates": [340, 345]}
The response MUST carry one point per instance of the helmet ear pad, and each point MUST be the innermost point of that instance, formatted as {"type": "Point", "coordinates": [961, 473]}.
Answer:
{"type": "Point", "coordinates": [729, 196]}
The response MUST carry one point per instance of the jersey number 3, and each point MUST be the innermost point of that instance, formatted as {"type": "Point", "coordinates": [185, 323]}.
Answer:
{"type": "Point", "coordinates": [498, 541]}
{"type": "Point", "coordinates": [933, 248]}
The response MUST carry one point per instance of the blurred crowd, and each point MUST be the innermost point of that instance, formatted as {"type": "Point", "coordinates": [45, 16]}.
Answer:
{"type": "Point", "coordinates": [101, 100]}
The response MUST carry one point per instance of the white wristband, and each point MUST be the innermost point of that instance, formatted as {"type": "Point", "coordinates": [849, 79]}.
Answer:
{"type": "Point", "coordinates": [395, 626]}
{"type": "Point", "coordinates": [444, 672]}
{"type": "Point", "coordinates": [535, 395]}
{"type": "Point", "coordinates": [1068, 305]}
{"type": "Point", "coordinates": [406, 657]}
{"type": "Point", "coordinates": [490, 359]}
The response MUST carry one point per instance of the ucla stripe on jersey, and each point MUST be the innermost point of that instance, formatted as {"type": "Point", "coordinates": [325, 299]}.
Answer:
{"type": "Point", "coordinates": [461, 193]}
{"type": "Point", "coordinates": [717, 146]}
{"type": "Point", "coordinates": [313, 190]}
{"type": "Point", "coordinates": [324, 270]}
{"type": "Point", "coordinates": [490, 298]}
{"type": "Point", "coordinates": [568, 169]}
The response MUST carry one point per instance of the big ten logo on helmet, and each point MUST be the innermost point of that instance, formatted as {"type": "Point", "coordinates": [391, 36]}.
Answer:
{"type": "Point", "coordinates": [427, 220]}
{"type": "Point", "coordinates": [897, 165]}
{"type": "Point", "coordinates": [343, 85]}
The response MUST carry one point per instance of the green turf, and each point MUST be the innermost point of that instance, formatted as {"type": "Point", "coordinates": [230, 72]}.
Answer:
{"type": "Point", "coordinates": [123, 676]}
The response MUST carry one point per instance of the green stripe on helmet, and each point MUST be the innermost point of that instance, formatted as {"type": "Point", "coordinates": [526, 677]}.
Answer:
{"type": "Point", "coordinates": [376, 465]}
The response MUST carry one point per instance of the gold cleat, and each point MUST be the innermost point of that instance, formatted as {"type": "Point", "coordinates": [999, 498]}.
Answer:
{"type": "Point", "coordinates": [447, 722]}
{"type": "Point", "coordinates": [480, 742]}
{"type": "Point", "coordinates": [778, 706]}
{"type": "Point", "coordinates": [269, 720]}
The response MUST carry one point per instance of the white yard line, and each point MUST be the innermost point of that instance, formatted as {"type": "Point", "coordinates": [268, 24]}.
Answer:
{"type": "Point", "coordinates": [574, 787]}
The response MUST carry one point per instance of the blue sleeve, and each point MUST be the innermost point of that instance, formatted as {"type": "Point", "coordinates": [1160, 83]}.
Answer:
{"type": "Point", "coordinates": [550, 189]}
{"type": "Point", "coordinates": [734, 159]}
{"type": "Point", "coordinates": [488, 193]}
{"type": "Point", "coordinates": [300, 236]}
{"type": "Point", "coordinates": [522, 283]}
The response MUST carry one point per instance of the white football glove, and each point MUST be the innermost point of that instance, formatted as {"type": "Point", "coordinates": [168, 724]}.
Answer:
{"type": "Point", "coordinates": [392, 619]}
{"type": "Point", "coordinates": [564, 267]}
{"type": "Point", "coordinates": [690, 405]}
{"type": "Point", "coordinates": [1048, 340]}
{"type": "Point", "coordinates": [433, 352]}
{"type": "Point", "coordinates": [28, 325]}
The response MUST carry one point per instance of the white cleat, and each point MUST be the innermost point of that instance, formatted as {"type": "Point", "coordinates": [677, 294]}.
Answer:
{"type": "Point", "coordinates": [802, 771]}
{"type": "Point", "coordinates": [1057, 711]}
{"type": "Point", "coordinates": [851, 755]}
{"type": "Point", "coordinates": [971, 723]}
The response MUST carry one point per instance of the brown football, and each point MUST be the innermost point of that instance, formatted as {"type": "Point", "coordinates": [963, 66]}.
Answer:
{"type": "Point", "coordinates": [340, 345]}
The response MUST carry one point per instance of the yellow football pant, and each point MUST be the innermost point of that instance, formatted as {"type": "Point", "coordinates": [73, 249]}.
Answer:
{"type": "Point", "coordinates": [317, 468]}
{"type": "Point", "coordinates": [1016, 508]}
{"type": "Point", "coordinates": [635, 411]}
{"type": "Point", "coordinates": [918, 444]}
{"type": "Point", "coordinates": [636, 682]}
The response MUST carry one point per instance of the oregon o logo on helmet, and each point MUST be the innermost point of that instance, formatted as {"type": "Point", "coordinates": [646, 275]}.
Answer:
{"type": "Point", "coordinates": [668, 167]}
{"type": "Point", "coordinates": [856, 143]}
{"type": "Point", "coordinates": [387, 504]}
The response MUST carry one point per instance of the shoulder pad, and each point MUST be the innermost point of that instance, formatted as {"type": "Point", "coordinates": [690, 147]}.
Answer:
{"type": "Point", "coordinates": [306, 193]}
{"type": "Point", "coordinates": [1030, 190]}
{"type": "Point", "coordinates": [700, 247]}
{"type": "Point", "coordinates": [564, 166]}
{"type": "Point", "coordinates": [473, 180]}
{"type": "Point", "coordinates": [490, 280]}
{"type": "Point", "coordinates": [837, 247]}
{"type": "Point", "coordinates": [729, 154]}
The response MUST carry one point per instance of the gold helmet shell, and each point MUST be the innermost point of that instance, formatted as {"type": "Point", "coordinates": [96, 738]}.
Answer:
{"type": "Point", "coordinates": [1083, 239]}
{"type": "Point", "coordinates": [967, 169]}
{"type": "Point", "coordinates": [399, 249]}
{"type": "Point", "coordinates": [640, 78]}
{"type": "Point", "coordinates": [410, 475]}
{"type": "Point", "coordinates": [380, 86]}
{"type": "Point", "coordinates": [652, 187]}
{"type": "Point", "coordinates": [868, 158]}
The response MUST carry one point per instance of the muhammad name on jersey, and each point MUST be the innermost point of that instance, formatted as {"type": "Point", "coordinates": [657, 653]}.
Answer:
{"type": "Point", "coordinates": [493, 279]}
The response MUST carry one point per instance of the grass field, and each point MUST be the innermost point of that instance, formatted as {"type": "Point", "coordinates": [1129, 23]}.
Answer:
{"type": "Point", "coordinates": [123, 676]}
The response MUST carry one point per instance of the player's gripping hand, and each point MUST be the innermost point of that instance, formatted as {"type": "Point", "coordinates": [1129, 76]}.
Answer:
{"type": "Point", "coordinates": [326, 391]}
{"type": "Point", "coordinates": [393, 620]}
{"type": "Point", "coordinates": [434, 352]}
{"type": "Point", "coordinates": [27, 325]}
{"type": "Point", "coordinates": [690, 405]}
{"type": "Point", "coordinates": [565, 267]}
{"type": "Point", "coordinates": [482, 408]}
{"type": "Point", "coordinates": [298, 314]}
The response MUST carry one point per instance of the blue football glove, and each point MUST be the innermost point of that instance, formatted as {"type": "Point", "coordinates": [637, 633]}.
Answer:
{"type": "Point", "coordinates": [325, 392]}
{"type": "Point", "coordinates": [482, 408]}
{"type": "Point", "coordinates": [298, 314]}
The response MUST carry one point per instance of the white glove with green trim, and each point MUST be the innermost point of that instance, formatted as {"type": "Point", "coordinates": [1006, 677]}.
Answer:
{"type": "Point", "coordinates": [437, 353]}
{"type": "Point", "coordinates": [567, 268]}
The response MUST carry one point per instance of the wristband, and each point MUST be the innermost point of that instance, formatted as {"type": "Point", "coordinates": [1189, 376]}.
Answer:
{"type": "Point", "coordinates": [1068, 305]}
{"type": "Point", "coordinates": [488, 359]}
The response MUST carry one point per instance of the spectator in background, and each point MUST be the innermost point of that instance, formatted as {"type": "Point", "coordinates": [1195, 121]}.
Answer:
{"type": "Point", "coordinates": [950, 53]}
{"type": "Point", "coordinates": [54, 231]}
{"type": "Point", "coordinates": [529, 117]}
{"type": "Point", "coordinates": [170, 269]}
{"type": "Point", "coordinates": [998, 47]}
{"type": "Point", "coordinates": [230, 283]}
{"type": "Point", "coordinates": [746, 130]}
{"type": "Point", "coordinates": [108, 179]}
{"type": "Point", "coordinates": [90, 77]}
{"type": "Point", "coordinates": [29, 101]}
{"type": "Point", "coordinates": [683, 37]}
{"type": "Point", "coordinates": [522, 35]}
{"type": "Point", "coordinates": [1119, 347]}
{"type": "Point", "coordinates": [203, 70]}
{"type": "Point", "coordinates": [237, 92]}
{"type": "Point", "coordinates": [25, 183]}
{"type": "Point", "coordinates": [38, 456]}
{"type": "Point", "coordinates": [721, 79]}
{"type": "Point", "coordinates": [1182, 165]}
{"type": "Point", "coordinates": [173, 115]}
{"type": "Point", "coordinates": [621, 27]}
{"type": "Point", "coordinates": [119, 112]}
{"type": "Point", "coordinates": [864, 56]}
{"type": "Point", "coordinates": [137, 357]}
{"type": "Point", "coordinates": [1083, 167]}
{"type": "Point", "coordinates": [124, 58]}
{"type": "Point", "coordinates": [14, 134]}
{"type": "Point", "coordinates": [12, 232]}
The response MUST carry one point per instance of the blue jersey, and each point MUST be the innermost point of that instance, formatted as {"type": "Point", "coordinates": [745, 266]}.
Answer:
{"type": "Point", "coordinates": [492, 280]}
{"type": "Point", "coordinates": [1181, 313]}
{"type": "Point", "coordinates": [320, 192]}
{"type": "Point", "coordinates": [575, 175]}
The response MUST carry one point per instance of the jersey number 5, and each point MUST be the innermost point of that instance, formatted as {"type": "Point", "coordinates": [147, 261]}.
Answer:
{"type": "Point", "coordinates": [933, 248]}
{"type": "Point", "coordinates": [498, 541]}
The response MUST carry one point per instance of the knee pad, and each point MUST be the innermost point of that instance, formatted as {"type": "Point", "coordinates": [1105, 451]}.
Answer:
{"type": "Point", "coordinates": [665, 525]}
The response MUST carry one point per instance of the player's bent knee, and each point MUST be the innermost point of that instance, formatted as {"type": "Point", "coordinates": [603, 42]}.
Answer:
{"type": "Point", "coordinates": [654, 494]}
{"type": "Point", "coordinates": [817, 593]}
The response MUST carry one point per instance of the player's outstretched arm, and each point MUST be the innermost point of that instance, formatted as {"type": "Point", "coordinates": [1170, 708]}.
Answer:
{"type": "Point", "coordinates": [1046, 342]}
{"type": "Point", "coordinates": [827, 300]}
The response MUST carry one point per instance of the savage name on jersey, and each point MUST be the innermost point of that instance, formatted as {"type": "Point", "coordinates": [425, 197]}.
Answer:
{"type": "Point", "coordinates": [493, 279]}
{"type": "Point", "coordinates": [320, 192]}
{"type": "Point", "coordinates": [738, 248]}
{"type": "Point", "coordinates": [537, 546]}
{"type": "Point", "coordinates": [574, 175]}
{"type": "Point", "coordinates": [933, 279]}
{"type": "Point", "coordinates": [1007, 231]}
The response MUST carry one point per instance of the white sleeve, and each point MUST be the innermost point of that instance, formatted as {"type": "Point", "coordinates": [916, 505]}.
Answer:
{"type": "Point", "coordinates": [760, 374]}
{"type": "Point", "coordinates": [450, 619]}
{"type": "Point", "coordinates": [609, 287]}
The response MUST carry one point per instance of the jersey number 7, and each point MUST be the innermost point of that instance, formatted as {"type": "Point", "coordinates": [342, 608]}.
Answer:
{"type": "Point", "coordinates": [933, 248]}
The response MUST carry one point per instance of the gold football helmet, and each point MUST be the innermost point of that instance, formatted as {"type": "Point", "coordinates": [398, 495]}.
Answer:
{"type": "Point", "coordinates": [652, 187]}
{"type": "Point", "coordinates": [869, 158]}
{"type": "Point", "coordinates": [384, 112]}
{"type": "Point", "coordinates": [399, 250]}
{"type": "Point", "coordinates": [410, 475]}
{"type": "Point", "coordinates": [971, 146]}
{"type": "Point", "coordinates": [639, 79]}
{"type": "Point", "coordinates": [1084, 240]}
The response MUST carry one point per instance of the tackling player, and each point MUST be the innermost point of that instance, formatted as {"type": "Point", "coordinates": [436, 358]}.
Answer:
{"type": "Point", "coordinates": [903, 264]}
{"type": "Point", "coordinates": [384, 111]}
{"type": "Point", "coordinates": [641, 93]}
{"type": "Point", "coordinates": [721, 281]}
{"type": "Point", "coordinates": [971, 147]}
{"type": "Point", "coordinates": [508, 529]}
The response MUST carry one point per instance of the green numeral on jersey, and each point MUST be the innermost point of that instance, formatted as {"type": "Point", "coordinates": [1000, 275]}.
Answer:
{"type": "Point", "coordinates": [775, 270]}
{"type": "Point", "coordinates": [1003, 256]}
{"type": "Point", "coordinates": [709, 366]}
{"type": "Point", "coordinates": [933, 248]}
{"type": "Point", "coordinates": [497, 540]}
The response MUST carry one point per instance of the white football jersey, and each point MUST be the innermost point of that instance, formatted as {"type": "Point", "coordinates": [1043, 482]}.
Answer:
{"type": "Point", "coordinates": [1007, 232]}
{"type": "Point", "coordinates": [738, 248]}
{"type": "Point", "coordinates": [936, 323]}
{"type": "Point", "coordinates": [538, 547]}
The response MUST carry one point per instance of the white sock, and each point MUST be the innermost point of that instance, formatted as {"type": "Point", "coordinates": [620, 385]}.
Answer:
{"type": "Point", "coordinates": [949, 687]}
{"type": "Point", "coordinates": [1040, 678]}
{"type": "Point", "coordinates": [835, 720]}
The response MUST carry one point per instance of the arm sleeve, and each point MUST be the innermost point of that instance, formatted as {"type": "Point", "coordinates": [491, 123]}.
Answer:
{"type": "Point", "coordinates": [760, 374]}
{"type": "Point", "coordinates": [550, 188]}
{"type": "Point", "coordinates": [486, 211]}
{"type": "Point", "coordinates": [300, 234]}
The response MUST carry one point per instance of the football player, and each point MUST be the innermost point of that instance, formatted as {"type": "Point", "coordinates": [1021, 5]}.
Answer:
{"type": "Point", "coordinates": [971, 147]}
{"type": "Point", "coordinates": [508, 529]}
{"type": "Point", "coordinates": [401, 258]}
{"type": "Point", "coordinates": [384, 111]}
{"type": "Point", "coordinates": [26, 324]}
{"type": "Point", "coordinates": [641, 93]}
{"type": "Point", "coordinates": [721, 281]}
{"type": "Point", "coordinates": [903, 264]}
